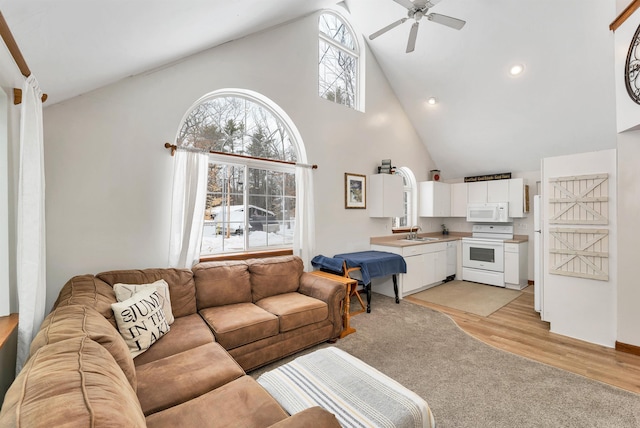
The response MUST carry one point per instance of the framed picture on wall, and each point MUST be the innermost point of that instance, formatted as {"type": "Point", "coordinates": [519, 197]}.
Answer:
{"type": "Point", "coordinates": [355, 191]}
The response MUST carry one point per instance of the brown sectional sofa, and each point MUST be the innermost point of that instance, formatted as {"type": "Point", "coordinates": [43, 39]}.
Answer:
{"type": "Point", "coordinates": [230, 317]}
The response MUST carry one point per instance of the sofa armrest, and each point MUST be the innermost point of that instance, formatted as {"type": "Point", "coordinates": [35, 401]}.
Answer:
{"type": "Point", "coordinates": [329, 291]}
{"type": "Point", "coordinates": [316, 417]}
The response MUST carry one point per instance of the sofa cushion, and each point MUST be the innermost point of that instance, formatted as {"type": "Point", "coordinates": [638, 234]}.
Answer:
{"type": "Point", "coordinates": [315, 417]}
{"type": "Point", "coordinates": [274, 275]}
{"type": "Point", "coordinates": [239, 324]}
{"type": "Point", "coordinates": [141, 320]}
{"type": "Point", "coordinates": [67, 322]}
{"type": "Point", "coordinates": [126, 291]}
{"type": "Point", "coordinates": [89, 291]}
{"type": "Point", "coordinates": [274, 348]}
{"type": "Point", "coordinates": [173, 380]}
{"type": "Point", "coordinates": [222, 283]}
{"type": "Point", "coordinates": [240, 403]}
{"type": "Point", "coordinates": [181, 285]}
{"type": "Point", "coordinates": [294, 309]}
{"type": "Point", "coordinates": [186, 333]}
{"type": "Point", "coordinates": [71, 383]}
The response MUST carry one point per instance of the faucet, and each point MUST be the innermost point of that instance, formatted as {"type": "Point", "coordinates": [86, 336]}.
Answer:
{"type": "Point", "coordinates": [413, 231]}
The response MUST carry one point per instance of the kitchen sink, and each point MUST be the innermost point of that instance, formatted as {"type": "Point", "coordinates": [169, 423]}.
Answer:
{"type": "Point", "coordinates": [421, 239]}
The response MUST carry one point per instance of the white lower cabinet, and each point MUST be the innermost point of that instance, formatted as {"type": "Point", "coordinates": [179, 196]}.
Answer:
{"type": "Point", "coordinates": [410, 282]}
{"type": "Point", "coordinates": [515, 265]}
{"type": "Point", "coordinates": [426, 267]}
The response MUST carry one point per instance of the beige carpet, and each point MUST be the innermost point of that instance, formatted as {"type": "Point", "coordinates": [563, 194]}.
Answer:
{"type": "Point", "coordinates": [478, 299]}
{"type": "Point", "coordinates": [469, 384]}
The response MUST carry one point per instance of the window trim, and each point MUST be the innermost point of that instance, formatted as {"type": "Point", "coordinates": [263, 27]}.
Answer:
{"type": "Point", "coordinates": [247, 255]}
{"type": "Point", "coordinates": [412, 188]}
{"type": "Point", "coordinates": [358, 52]}
{"type": "Point", "coordinates": [264, 102]}
{"type": "Point", "coordinates": [249, 162]}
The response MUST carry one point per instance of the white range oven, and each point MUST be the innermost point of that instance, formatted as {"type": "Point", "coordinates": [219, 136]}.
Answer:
{"type": "Point", "coordinates": [483, 254]}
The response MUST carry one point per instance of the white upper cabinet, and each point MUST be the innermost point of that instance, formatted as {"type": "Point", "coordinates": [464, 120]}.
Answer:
{"type": "Point", "coordinates": [435, 199]}
{"type": "Point", "coordinates": [477, 192]}
{"type": "Point", "coordinates": [458, 199]}
{"type": "Point", "coordinates": [511, 190]}
{"type": "Point", "coordinates": [498, 191]}
{"type": "Point", "coordinates": [516, 197]}
{"type": "Point", "coordinates": [385, 195]}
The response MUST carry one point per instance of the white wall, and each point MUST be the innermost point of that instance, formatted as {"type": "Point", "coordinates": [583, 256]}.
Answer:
{"type": "Point", "coordinates": [629, 236]}
{"type": "Point", "coordinates": [585, 309]}
{"type": "Point", "coordinates": [109, 178]}
{"type": "Point", "coordinates": [5, 294]}
{"type": "Point", "coordinates": [10, 78]}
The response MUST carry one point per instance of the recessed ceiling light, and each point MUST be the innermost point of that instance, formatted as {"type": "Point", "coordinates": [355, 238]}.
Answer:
{"type": "Point", "coordinates": [432, 101]}
{"type": "Point", "coordinates": [516, 70]}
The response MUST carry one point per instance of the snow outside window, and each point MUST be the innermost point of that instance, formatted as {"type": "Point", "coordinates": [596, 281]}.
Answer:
{"type": "Point", "coordinates": [250, 202]}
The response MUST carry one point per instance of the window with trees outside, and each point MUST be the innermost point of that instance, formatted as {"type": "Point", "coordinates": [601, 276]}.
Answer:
{"type": "Point", "coordinates": [409, 217]}
{"type": "Point", "coordinates": [338, 61]}
{"type": "Point", "coordinates": [250, 202]}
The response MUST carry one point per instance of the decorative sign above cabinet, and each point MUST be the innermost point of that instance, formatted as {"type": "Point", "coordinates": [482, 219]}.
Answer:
{"type": "Point", "coordinates": [490, 177]}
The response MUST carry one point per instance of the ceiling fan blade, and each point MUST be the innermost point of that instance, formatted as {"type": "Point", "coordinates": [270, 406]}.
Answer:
{"type": "Point", "coordinates": [387, 28]}
{"type": "Point", "coordinates": [405, 3]}
{"type": "Point", "coordinates": [431, 3]}
{"type": "Point", "coordinates": [413, 34]}
{"type": "Point", "coordinates": [446, 20]}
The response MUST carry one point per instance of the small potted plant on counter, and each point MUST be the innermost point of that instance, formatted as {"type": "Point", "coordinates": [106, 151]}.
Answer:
{"type": "Point", "coordinates": [445, 231]}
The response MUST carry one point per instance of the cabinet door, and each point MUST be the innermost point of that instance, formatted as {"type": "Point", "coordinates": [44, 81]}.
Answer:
{"type": "Point", "coordinates": [441, 265]}
{"type": "Point", "coordinates": [477, 192]}
{"type": "Point", "coordinates": [430, 264]}
{"type": "Point", "coordinates": [498, 191]}
{"type": "Point", "coordinates": [415, 276]}
{"type": "Point", "coordinates": [511, 268]}
{"type": "Point", "coordinates": [385, 195]}
{"type": "Point", "coordinates": [516, 197]}
{"type": "Point", "coordinates": [458, 200]}
{"type": "Point", "coordinates": [435, 200]}
{"type": "Point", "coordinates": [442, 199]}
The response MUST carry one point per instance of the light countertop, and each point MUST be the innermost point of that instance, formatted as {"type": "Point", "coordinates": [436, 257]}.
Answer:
{"type": "Point", "coordinates": [400, 239]}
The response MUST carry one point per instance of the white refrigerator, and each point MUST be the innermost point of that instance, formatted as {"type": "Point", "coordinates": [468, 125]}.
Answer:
{"type": "Point", "coordinates": [538, 256]}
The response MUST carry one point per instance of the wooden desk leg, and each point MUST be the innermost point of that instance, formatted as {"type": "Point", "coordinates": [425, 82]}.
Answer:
{"type": "Point", "coordinates": [346, 328]}
{"type": "Point", "coordinates": [395, 287]}
{"type": "Point", "coordinates": [368, 288]}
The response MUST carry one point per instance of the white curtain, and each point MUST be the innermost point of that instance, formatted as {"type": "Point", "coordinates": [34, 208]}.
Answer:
{"type": "Point", "coordinates": [187, 208]}
{"type": "Point", "coordinates": [31, 251]}
{"type": "Point", "coordinates": [304, 238]}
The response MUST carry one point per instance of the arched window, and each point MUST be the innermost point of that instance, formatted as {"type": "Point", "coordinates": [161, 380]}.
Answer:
{"type": "Point", "coordinates": [410, 206]}
{"type": "Point", "coordinates": [251, 201]}
{"type": "Point", "coordinates": [338, 65]}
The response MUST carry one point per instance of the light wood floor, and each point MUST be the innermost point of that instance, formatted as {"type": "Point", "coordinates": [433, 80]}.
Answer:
{"type": "Point", "coordinates": [517, 328]}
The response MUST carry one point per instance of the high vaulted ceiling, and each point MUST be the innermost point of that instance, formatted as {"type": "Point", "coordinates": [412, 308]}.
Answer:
{"type": "Point", "coordinates": [485, 121]}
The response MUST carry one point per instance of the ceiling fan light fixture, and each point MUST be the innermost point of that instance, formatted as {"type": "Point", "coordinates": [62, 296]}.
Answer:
{"type": "Point", "coordinates": [516, 70]}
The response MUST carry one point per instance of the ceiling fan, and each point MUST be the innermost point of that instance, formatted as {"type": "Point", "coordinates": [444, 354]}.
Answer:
{"type": "Point", "coordinates": [416, 11]}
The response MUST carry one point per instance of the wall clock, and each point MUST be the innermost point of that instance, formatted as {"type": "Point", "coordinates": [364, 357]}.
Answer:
{"type": "Point", "coordinates": [632, 68]}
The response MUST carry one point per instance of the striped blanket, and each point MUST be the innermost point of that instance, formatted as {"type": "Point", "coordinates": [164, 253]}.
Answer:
{"type": "Point", "coordinates": [358, 394]}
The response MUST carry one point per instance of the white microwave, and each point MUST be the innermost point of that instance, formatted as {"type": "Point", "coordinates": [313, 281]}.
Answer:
{"type": "Point", "coordinates": [490, 212]}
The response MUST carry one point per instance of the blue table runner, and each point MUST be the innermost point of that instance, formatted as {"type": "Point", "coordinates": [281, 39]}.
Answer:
{"type": "Point", "coordinates": [372, 264]}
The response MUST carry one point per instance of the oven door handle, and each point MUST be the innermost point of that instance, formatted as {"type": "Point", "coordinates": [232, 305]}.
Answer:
{"type": "Point", "coordinates": [488, 243]}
